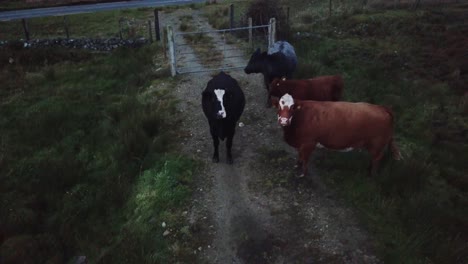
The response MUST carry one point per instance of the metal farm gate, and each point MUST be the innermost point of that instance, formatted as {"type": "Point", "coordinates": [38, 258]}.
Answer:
{"type": "Point", "coordinates": [214, 50]}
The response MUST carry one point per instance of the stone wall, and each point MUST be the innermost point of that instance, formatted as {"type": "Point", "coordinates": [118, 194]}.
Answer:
{"type": "Point", "coordinates": [81, 43]}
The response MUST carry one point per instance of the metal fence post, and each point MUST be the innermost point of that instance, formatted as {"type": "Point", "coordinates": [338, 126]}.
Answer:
{"type": "Point", "coordinates": [156, 25]}
{"type": "Point", "coordinates": [170, 39]}
{"type": "Point", "coordinates": [250, 33]}
{"type": "Point", "coordinates": [271, 32]}
{"type": "Point", "coordinates": [287, 23]}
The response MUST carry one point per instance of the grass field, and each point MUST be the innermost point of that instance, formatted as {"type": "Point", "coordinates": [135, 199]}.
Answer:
{"type": "Point", "coordinates": [85, 160]}
{"type": "Point", "coordinates": [85, 157]}
{"type": "Point", "coordinates": [413, 61]}
{"type": "Point", "coordinates": [95, 25]}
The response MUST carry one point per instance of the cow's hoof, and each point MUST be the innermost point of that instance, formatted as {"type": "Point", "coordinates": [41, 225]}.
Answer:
{"type": "Point", "coordinates": [215, 159]}
{"type": "Point", "coordinates": [229, 161]}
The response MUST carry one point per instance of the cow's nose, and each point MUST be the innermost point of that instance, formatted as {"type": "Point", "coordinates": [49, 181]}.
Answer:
{"type": "Point", "coordinates": [221, 114]}
{"type": "Point", "coordinates": [283, 121]}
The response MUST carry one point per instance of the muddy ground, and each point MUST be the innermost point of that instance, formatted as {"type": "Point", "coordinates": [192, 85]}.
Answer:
{"type": "Point", "coordinates": [256, 210]}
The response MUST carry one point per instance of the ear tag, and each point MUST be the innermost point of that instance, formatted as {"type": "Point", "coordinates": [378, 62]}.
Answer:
{"type": "Point", "coordinates": [284, 79]}
{"type": "Point", "coordinates": [277, 84]}
{"type": "Point", "coordinates": [298, 107]}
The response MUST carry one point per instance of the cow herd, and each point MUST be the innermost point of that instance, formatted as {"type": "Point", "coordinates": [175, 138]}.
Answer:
{"type": "Point", "coordinates": [310, 111]}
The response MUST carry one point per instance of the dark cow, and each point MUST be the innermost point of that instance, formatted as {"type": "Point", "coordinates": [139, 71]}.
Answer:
{"type": "Point", "coordinates": [322, 88]}
{"type": "Point", "coordinates": [338, 126]}
{"type": "Point", "coordinates": [223, 103]}
{"type": "Point", "coordinates": [280, 61]}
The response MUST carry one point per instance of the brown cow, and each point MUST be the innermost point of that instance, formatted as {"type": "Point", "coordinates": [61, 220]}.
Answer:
{"type": "Point", "coordinates": [322, 88]}
{"type": "Point", "coordinates": [337, 126]}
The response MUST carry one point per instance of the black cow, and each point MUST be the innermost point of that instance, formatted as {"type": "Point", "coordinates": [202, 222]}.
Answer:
{"type": "Point", "coordinates": [280, 61]}
{"type": "Point", "coordinates": [223, 103]}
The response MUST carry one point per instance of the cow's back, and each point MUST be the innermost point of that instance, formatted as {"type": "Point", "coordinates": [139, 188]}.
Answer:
{"type": "Point", "coordinates": [285, 48]}
{"type": "Point", "coordinates": [339, 124]}
{"type": "Point", "coordinates": [322, 88]}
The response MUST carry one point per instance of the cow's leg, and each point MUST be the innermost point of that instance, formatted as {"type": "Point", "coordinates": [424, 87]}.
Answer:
{"type": "Point", "coordinates": [299, 161]}
{"type": "Point", "coordinates": [304, 153]}
{"type": "Point", "coordinates": [267, 82]}
{"type": "Point", "coordinates": [215, 145]}
{"type": "Point", "coordinates": [229, 149]}
{"type": "Point", "coordinates": [376, 157]}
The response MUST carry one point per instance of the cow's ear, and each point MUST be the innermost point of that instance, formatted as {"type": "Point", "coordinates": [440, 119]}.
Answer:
{"type": "Point", "coordinates": [275, 101]}
{"type": "Point", "coordinates": [257, 51]}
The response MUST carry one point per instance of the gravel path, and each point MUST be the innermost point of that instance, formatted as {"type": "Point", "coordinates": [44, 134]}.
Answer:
{"type": "Point", "coordinates": [254, 211]}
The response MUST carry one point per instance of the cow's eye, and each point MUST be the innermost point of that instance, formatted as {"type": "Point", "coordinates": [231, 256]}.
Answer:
{"type": "Point", "coordinates": [282, 102]}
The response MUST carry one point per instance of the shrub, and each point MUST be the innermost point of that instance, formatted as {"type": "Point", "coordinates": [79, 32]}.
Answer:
{"type": "Point", "coordinates": [262, 10]}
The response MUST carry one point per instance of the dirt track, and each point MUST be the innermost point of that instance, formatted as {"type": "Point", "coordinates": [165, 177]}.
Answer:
{"type": "Point", "coordinates": [255, 211]}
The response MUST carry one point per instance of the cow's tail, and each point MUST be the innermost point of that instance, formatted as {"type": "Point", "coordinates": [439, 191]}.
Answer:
{"type": "Point", "coordinates": [396, 153]}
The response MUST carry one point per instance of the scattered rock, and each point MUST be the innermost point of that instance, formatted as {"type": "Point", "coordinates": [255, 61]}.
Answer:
{"type": "Point", "coordinates": [163, 224]}
{"type": "Point", "coordinates": [166, 233]}
{"type": "Point", "coordinates": [83, 43]}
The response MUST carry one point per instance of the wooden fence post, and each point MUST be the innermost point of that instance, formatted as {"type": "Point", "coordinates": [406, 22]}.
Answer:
{"type": "Point", "coordinates": [231, 17]}
{"type": "Point", "coordinates": [271, 32]}
{"type": "Point", "coordinates": [156, 25]}
{"type": "Point", "coordinates": [26, 29]}
{"type": "Point", "coordinates": [170, 39]}
{"type": "Point", "coordinates": [150, 31]}
{"type": "Point", "coordinates": [329, 8]}
{"type": "Point", "coordinates": [250, 33]}
{"type": "Point", "coordinates": [120, 28]}
{"type": "Point", "coordinates": [65, 22]}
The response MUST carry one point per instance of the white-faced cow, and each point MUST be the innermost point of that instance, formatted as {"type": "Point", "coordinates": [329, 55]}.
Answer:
{"type": "Point", "coordinates": [279, 61]}
{"type": "Point", "coordinates": [223, 103]}
{"type": "Point", "coordinates": [336, 125]}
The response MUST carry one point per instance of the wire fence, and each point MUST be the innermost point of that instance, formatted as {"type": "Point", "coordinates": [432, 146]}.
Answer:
{"type": "Point", "coordinates": [223, 49]}
{"type": "Point", "coordinates": [106, 26]}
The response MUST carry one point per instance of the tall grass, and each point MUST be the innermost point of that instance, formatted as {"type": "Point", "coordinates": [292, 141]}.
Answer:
{"type": "Point", "coordinates": [79, 148]}
{"type": "Point", "coordinates": [415, 207]}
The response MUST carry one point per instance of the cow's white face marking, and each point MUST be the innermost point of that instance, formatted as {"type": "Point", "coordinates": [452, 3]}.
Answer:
{"type": "Point", "coordinates": [219, 95]}
{"type": "Point", "coordinates": [318, 145]}
{"type": "Point", "coordinates": [286, 100]}
{"type": "Point", "coordinates": [284, 115]}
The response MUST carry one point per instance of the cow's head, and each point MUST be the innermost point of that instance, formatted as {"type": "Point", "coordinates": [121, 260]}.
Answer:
{"type": "Point", "coordinates": [215, 102]}
{"type": "Point", "coordinates": [275, 88]}
{"type": "Point", "coordinates": [285, 106]}
{"type": "Point", "coordinates": [255, 62]}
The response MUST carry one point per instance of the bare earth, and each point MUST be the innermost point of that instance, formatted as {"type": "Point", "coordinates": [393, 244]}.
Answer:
{"type": "Point", "coordinates": [256, 211]}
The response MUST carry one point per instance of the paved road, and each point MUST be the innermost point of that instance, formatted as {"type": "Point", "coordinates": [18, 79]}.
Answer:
{"type": "Point", "coordinates": [77, 9]}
